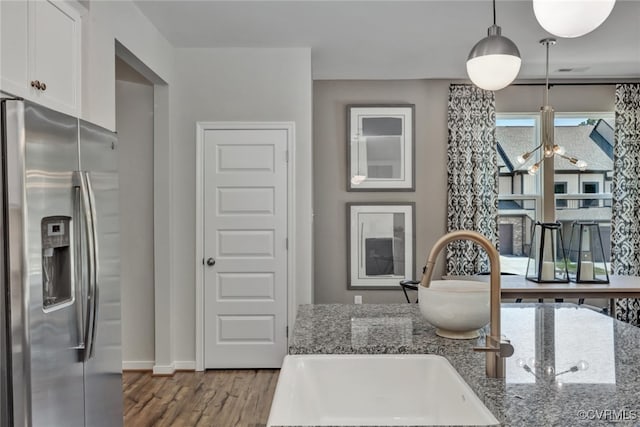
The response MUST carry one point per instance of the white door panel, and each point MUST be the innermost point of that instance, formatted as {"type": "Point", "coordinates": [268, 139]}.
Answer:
{"type": "Point", "coordinates": [246, 201]}
{"type": "Point", "coordinates": [253, 158]}
{"type": "Point", "coordinates": [246, 329]}
{"type": "Point", "coordinates": [245, 231]}
{"type": "Point", "coordinates": [246, 243]}
{"type": "Point", "coordinates": [246, 286]}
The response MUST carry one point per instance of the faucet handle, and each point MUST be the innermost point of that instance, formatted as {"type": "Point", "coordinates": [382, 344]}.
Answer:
{"type": "Point", "coordinates": [501, 346]}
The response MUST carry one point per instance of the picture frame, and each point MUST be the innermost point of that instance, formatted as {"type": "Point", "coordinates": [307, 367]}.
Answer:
{"type": "Point", "coordinates": [380, 244]}
{"type": "Point", "coordinates": [381, 147]}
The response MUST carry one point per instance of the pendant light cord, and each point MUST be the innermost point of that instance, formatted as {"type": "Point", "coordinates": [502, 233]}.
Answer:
{"type": "Point", "coordinates": [494, 12]}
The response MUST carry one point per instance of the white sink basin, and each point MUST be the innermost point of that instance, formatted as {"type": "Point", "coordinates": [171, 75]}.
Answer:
{"type": "Point", "coordinates": [374, 390]}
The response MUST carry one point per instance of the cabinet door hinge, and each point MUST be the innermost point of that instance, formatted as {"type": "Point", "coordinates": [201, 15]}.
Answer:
{"type": "Point", "coordinates": [287, 332]}
{"type": "Point", "coordinates": [286, 243]}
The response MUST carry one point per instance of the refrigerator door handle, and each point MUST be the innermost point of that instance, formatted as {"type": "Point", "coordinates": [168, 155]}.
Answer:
{"type": "Point", "coordinates": [18, 369]}
{"type": "Point", "coordinates": [77, 253]}
{"type": "Point", "coordinates": [93, 250]}
{"type": "Point", "coordinates": [91, 286]}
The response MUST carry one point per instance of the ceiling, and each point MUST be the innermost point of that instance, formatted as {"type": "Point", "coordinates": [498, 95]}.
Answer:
{"type": "Point", "coordinates": [400, 39]}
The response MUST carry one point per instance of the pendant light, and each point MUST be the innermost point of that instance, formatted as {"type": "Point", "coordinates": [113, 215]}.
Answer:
{"type": "Point", "coordinates": [571, 18]}
{"type": "Point", "coordinates": [547, 115]}
{"type": "Point", "coordinates": [494, 62]}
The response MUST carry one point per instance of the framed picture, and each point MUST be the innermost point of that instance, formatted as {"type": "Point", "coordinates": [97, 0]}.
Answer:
{"type": "Point", "coordinates": [381, 147]}
{"type": "Point", "coordinates": [380, 244]}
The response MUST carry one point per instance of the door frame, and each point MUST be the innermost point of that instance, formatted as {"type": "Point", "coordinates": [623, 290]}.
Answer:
{"type": "Point", "coordinates": [201, 128]}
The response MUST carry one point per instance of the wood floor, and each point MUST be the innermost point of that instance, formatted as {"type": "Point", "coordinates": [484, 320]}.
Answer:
{"type": "Point", "coordinates": [220, 398]}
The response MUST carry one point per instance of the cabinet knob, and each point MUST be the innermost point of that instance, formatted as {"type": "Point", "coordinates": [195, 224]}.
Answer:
{"type": "Point", "coordinates": [38, 85]}
{"type": "Point", "coordinates": [211, 262]}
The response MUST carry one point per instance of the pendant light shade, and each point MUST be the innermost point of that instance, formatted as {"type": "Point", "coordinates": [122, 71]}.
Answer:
{"type": "Point", "coordinates": [494, 62]}
{"type": "Point", "coordinates": [571, 18]}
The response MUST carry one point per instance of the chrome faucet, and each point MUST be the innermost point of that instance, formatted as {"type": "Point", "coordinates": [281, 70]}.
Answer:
{"type": "Point", "coordinates": [497, 348]}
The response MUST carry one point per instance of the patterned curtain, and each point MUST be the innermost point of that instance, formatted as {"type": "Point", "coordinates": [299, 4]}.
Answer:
{"type": "Point", "coordinates": [472, 171]}
{"type": "Point", "coordinates": [625, 211]}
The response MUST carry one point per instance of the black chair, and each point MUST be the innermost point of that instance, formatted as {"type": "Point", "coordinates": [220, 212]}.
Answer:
{"type": "Point", "coordinates": [412, 285]}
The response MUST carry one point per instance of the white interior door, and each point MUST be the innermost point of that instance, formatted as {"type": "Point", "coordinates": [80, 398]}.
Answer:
{"type": "Point", "coordinates": [245, 247]}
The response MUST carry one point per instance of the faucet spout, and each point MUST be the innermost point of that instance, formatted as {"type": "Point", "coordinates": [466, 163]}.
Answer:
{"type": "Point", "coordinates": [497, 348]}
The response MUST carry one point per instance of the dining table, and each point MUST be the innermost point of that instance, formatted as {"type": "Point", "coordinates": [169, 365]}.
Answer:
{"type": "Point", "coordinates": [517, 287]}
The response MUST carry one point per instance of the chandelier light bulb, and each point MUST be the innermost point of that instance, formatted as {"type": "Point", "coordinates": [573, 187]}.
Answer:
{"type": "Point", "coordinates": [548, 151]}
{"type": "Point", "coordinates": [571, 18]}
{"type": "Point", "coordinates": [581, 164]}
{"type": "Point", "coordinates": [533, 169]}
{"type": "Point", "coordinates": [522, 159]}
{"type": "Point", "coordinates": [559, 150]}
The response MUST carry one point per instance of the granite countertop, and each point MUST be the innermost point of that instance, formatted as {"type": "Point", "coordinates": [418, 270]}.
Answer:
{"type": "Point", "coordinates": [571, 366]}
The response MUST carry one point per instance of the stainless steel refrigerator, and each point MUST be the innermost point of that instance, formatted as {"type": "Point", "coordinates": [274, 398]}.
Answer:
{"type": "Point", "coordinates": [60, 297]}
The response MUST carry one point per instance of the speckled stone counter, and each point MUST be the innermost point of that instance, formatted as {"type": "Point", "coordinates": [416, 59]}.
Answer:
{"type": "Point", "coordinates": [571, 366]}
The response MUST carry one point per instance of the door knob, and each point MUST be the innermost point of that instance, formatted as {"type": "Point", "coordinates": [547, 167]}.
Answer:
{"type": "Point", "coordinates": [211, 262]}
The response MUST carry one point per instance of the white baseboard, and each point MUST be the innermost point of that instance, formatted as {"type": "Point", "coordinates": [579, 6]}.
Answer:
{"type": "Point", "coordinates": [185, 365]}
{"type": "Point", "coordinates": [164, 369]}
{"type": "Point", "coordinates": [137, 365]}
{"type": "Point", "coordinates": [149, 365]}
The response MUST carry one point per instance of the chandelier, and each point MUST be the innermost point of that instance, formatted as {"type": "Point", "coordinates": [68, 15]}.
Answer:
{"type": "Point", "coordinates": [547, 144]}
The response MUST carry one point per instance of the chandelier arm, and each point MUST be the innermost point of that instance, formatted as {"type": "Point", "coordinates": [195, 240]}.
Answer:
{"type": "Point", "coordinates": [572, 160]}
{"type": "Point", "coordinates": [527, 154]}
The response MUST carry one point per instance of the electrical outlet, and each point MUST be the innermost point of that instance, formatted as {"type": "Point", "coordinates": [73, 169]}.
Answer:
{"type": "Point", "coordinates": [357, 299]}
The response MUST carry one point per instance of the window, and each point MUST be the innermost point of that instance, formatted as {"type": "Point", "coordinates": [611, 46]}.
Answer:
{"type": "Point", "coordinates": [589, 188]}
{"type": "Point", "coordinates": [579, 195]}
{"type": "Point", "coordinates": [520, 199]}
{"type": "Point", "coordinates": [560, 188]}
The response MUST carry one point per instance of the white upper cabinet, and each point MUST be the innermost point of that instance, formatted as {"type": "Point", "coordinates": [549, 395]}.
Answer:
{"type": "Point", "coordinates": [13, 47]}
{"type": "Point", "coordinates": [41, 45]}
{"type": "Point", "coordinates": [54, 48]}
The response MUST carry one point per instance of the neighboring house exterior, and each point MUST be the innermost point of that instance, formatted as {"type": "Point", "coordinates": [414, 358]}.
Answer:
{"type": "Point", "coordinates": [588, 142]}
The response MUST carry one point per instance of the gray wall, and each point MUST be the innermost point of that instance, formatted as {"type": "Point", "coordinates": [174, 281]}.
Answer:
{"type": "Point", "coordinates": [330, 177]}
{"type": "Point", "coordinates": [330, 171]}
{"type": "Point", "coordinates": [134, 124]}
